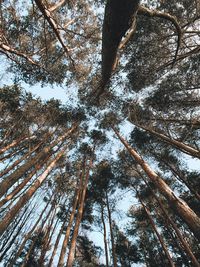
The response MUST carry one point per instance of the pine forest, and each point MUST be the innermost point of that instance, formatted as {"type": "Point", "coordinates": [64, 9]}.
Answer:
{"type": "Point", "coordinates": [106, 172]}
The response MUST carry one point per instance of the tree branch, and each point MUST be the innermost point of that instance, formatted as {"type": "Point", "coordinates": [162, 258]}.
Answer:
{"type": "Point", "coordinates": [8, 49]}
{"type": "Point", "coordinates": [155, 13]}
{"type": "Point", "coordinates": [53, 24]}
{"type": "Point", "coordinates": [58, 5]}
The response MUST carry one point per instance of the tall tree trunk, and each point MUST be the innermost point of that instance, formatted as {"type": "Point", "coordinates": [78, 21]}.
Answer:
{"type": "Point", "coordinates": [30, 192]}
{"type": "Point", "coordinates": [47, 239]}
{"type": "Point", "coordinates": [161, 240]}
{"type": "Point", "coordinates": [104, 236]}
{"type": "Point", "coordinates": [179, 145]}
{"type": "Point", "coordinates": [78, 219]}
{"type": "Point", "coordinates": [28, 235]}
{"type": "Point", "coordinates": [15, 143]}
{"type": "Point", "coordinates": [18, 161]}
{"type": "Point", "coordinates": [111, 232]}
{"type": "Point", "coordinates": [174, 226]}
{"type": "Point", "coordinates": [35, 237]}
{"type": "Point", "coordinates": [76, 199]}
{"type": "Point", "coordinates": [20, 226]}
{"type": "Point", "coordinates": [181, 207]}
{"type": "Point", "coordinates": [13, 178]}
{"type": "Point", "coordinates": [56, 243]}
{"type": "Point", "coordinates": [23, 183]}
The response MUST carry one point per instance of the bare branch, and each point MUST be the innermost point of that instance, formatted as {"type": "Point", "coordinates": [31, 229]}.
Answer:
{"type": "Point", "coordinates": [8, 49]}
{"type": "Point", "coordinates": [155, 13]}
{"type": "Point", "coordinates": [53, 24]}
{"type": "Point", "coordinates": [57, 6]}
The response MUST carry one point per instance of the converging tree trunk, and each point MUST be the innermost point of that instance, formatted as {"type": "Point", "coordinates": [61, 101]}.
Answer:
{"type": "Point", "coordinates": [181, 207]}
{"type": "Point", "coordinates": [78, 218]}
{"type": "Point", "coordinates": [26, 197]}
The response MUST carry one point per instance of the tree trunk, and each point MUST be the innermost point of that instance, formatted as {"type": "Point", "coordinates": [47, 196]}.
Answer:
{"type": "Point", "coordinates": [111, 232]}
{"type": "Point", "coordinates": [20, 226]}
{"type": "Point", "coordinates": [179, 145]}
{"type": "Point", "coordinates": [35, 238]}
{"type": "Point", "coordinates": [156, 232]}
{"type": "Point", "coordinates": [78, 219]}
{"type": "Point", "coordinates": [104, 236]}
{"type": "Point", "coordinates": [71, 219]}
{"type": "Point", "coordinates": [56, 244]}
{"type": "Point", "coordinates": [23, 183]}
{"type": "Point", "coordinates": [181, 207]}
{"type": "Point", "coordinates": [15, 143]}
{"type": "Point", "coordinates": [18, 161]}
{"type": "Point", "coordinates": [175, 228]}
{"type": "Point", "coordinates": [27, 236]}
{"type": "Point", "coordinates": [30, 192]}
{"type": "Point", "coordinates": [47, 239]}
{"type": "Point", "coordinates": [12, 178]}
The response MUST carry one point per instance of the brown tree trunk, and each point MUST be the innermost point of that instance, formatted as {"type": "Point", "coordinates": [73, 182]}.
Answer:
{"type": "Point", "coordinates": [78, 219]}
{"type": "Point", "coordinates": [13, 178]}
{"type": "Point", "coordinates": [161, 240]}
{"type": "Point", "coordinates": [27, 236]}
{"type": "Point", "coordinates": [47, 239]}
{"type": "Point", "coordinates": [30, 192]}
{"type": "Point", "coordinates": [181, 207]}
{"type": "Point", "coordinates": [104, 236]}
{"type": "Point", "coordinates": [18, 161]}
{"type": "Point", "coordinates": [179, 145]}
{"type": "Point", "coordinates": [35, 238]}
{"type": "Point", "coordinates": [56, 244]}
{"type": "Point", "coordinates": [111, 232]}
{"type": "Point", "coordinates": [15, 143]}
{"type": "Point", "coordinates": [23, 183]}
{"type": "Point", "coordinates": [175, 228]}
{"type": "Point", "coordinates": [71, 219]}
{"type": "Point", "coordinates": [20, 227]}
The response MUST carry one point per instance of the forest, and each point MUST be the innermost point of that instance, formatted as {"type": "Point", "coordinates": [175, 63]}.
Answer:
{"type": "Point", "coordinates": [110, 175]}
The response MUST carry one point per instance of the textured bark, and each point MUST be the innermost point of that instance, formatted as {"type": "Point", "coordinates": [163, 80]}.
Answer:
{"type": "Point", "coordinates": [30, 192]}
{"type": "Point", "coordinates": [181, 207]}
{"type": "Point", "coordinates": [118, 18]}
{"type": "Point", "coordinates": [104, 236]}
{"type": "Point", "coordinates": [78, 219]}
{"type": "Point", "coordinates": [174, 226]}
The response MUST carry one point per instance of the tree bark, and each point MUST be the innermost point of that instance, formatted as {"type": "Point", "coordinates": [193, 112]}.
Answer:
{"type": "Point", "coordinates": [179, 145]}
{"type": "Point", "coordinates": [23, 183]}
{"type": "Point", "coordinates": [181, 207]}
{"type": "Point", "coordinates": [15, 143]}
